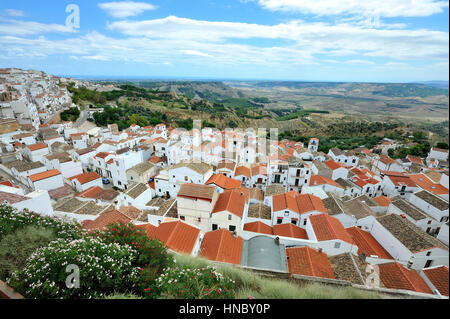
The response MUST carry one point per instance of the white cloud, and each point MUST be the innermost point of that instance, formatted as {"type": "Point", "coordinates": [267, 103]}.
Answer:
{"type": "Point", "coordinates": [125, 9]}
{"type": "Point", "coordinates": [27, 28]}
{"type": "Point", "coordinates": [14, 13]}
{"type": "Point", "coordinates": [197, 53]}
{"type": "Point", "coordinates": [384, 8]}
{"type": "Point", "coordinates": [360, 62]}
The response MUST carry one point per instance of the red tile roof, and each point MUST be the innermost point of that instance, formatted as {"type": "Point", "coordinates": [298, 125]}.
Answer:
{"type": "Point", "coordinates": [224, 182]}
{"type": "Point", "coordinates": [309, 262]}
{"type": "Point", "coordinates": [108, 218]}
{"type": "Point", "coordinates": [231, 201]}
{"type": "Point", "coordinates": [299, 203]}
{"type": "Point", "coordinates": [242, 170]}
{"type": "Point", "coordinates": [383, 200]}
{"type": "Point", "coordinates": [289, 230]}
{"type": "Point", "coordinates": [36, 147]}
{"type": "Point", "coordinates": [86, 177]}
{"type": "Point", "coordinates": [321, 180]}
{"type": "Point", "coordinates": [425, 183]}
{"type": "Point", "coordinates": [395, 276]}
{"type": "Point", "coordinates": [327, 227]}
{"type": "Point", "coordinates": [333, 165]}
{"type": "Point", "coordinates": [259, 227]}
{"type": "Point", "coordinates": [402, 180]}
{"type": "Point", "coordinates": [367, 244]}
{"type": "Point", "coordinates": [177, 236]}
{"type": "Point", "coordinates": [221, 246]}
{"type": "Point", "coordinates": [439, 278]}
{"type": "Point", "coordinates": [44, 175]}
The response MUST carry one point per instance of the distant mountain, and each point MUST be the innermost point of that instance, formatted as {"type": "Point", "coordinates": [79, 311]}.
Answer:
{"type": "Point", "coordinates": [436, 84]}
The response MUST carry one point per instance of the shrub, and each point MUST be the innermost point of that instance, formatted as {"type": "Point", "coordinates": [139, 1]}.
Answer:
{"type": "Point", "coordinates": [11, 220]}
{"type": "Point", "coordinates": [17, 247]}
{"type": "Point", "coordinates": [190, 283]}
{"type": "Point", "coordinates": [151, 253]}
{"type": "Point", "coordinates": [105, 269]}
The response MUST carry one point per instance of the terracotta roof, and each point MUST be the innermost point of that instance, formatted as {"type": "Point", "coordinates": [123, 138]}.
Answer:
{"type": "Point", "coordinates": [242, 170]}
{"type": "Point", "coordinates": [197, 191]}
{"type": "Point", "coordinates": [44, 175]}
{"type": "Point", "coordinates": [386, 160]}
{"type": "Point", "coordinates": [299, 203]}
{"type": "Point", "coordinates": [86, 177]}
{"type": "Point", "coordinates": [224, 182]}
{"type": "Point", "coordinates": [97, 192]}
{"type": "Point", "coordinates": [424, 182]}
{"type": "Point", "coordinates": [382, 200]}
{"type": "Point", "coordinates": [221, 246]}
{"type": "Point", "coordinates": [259, 169]}
{"type": "Point", "coordinates": [395, 276]}
{"type": "Point", "coordinates": [177, 236]}
{"type": "Point", "coordinates": [232, 201]}
{"type": "Point", "coordinates": [439, 278]}
{"type": "Point", "coordinates": [333, 165]}
{"type": "Point", "coordinates": [36, 147]}
{"type": "Point", "coordinates": [289, 230]}
{"type": "Point", "coordinates": [367, 244]}
{"type": "Point", "coordinates": [102, 154]}
{"type": "Point", "coordinates": [108, 218]}
{"type": "Point", "coordinates": [309, 262]}
{"type": "Point", "coordinates": [258, 227]}
{"type": "Point", "coordinates": [321, 180]}
{"type": "Point", "coordinates": [148, 228]}
{"type": "Point", "coordinates": [401, 180]}
{"type": "Point", "coordinates": [329, 228]}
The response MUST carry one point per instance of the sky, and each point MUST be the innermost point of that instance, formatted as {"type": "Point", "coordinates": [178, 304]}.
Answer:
{"type": "Point", "coordinates": [304, 40]}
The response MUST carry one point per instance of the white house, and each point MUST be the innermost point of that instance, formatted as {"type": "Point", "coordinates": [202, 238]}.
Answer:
{"type": "Point", "coordinates": [86, 180]}
{"type": "Point", "coordinates": [36, 152]}
{"type": "Point", "coordinates": [46, 180]}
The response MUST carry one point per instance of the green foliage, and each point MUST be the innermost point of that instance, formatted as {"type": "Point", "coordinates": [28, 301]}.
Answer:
{"type": "Point", "coordinates": [151, 253]}
{"type": "Point", "coordinates": [442, 145]}
{"type": "Point", "coordinates": [301, 113]}
{"type": "Point", "coordinates": [11, 220]}
{"type": "Point", "coordinates": [84, 94]}
{"type": "Point", "coordinates": [104, 270]}
{"type": "Point", "coordinates": [138, 120]}
{"type": "Point", "coordinates": [191, 283]}
{"type": "Point", "coordinates": [71, 114]}
{"type": "Point", "coordinates": [15, 248]}
{"type": "Point", "coordinates": [352, 128]}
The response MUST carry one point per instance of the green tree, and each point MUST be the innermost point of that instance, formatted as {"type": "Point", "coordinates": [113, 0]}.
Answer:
{"type": "Point", "coordinates": [138, 120]}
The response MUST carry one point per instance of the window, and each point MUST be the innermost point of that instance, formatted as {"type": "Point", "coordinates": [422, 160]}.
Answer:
{"type": "Point", "coordinates": [214, 227]}
{"type": "Point", "coordinates": [131, 177]}
{"type": "Point", "coordinates": [199, 220]}
{"type": "Point", "coordinates": [429, 253]}
{"type": "Point", "coordinates": [232, 228]}
{"type": "Point", "coordinates": [279, 221]}
{"type": "Point", "coordinates": [119, 182]}
{"type": "Point", "coordinates": [337, 245]}
{"type": "Point", "coordinates": [294, 221]}
{"type": "Point", "coordinates": [186, 178]}
{"type": "Point", "coordinates": [286, 213]}
{"type": "Point", "coordinates": [182, 218]}
{"type": "Point", "coordinates": [230, 217]}
{"type": "Point", "coordinates": [304, 223]}
{"type": "Point", "coordinates": [429, 222]}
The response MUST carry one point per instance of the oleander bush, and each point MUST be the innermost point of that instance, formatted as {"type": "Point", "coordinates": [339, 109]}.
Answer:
{"type": "Point", "coordinates": [12, 219]}
{"type": "Point", "coordinates": [15, 248]}
{"type": "Point", "coordinates": [104, 269]}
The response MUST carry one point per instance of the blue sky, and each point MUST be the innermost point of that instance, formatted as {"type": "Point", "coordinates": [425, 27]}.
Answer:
{"type": "Point", "coordinates": [310, 40]}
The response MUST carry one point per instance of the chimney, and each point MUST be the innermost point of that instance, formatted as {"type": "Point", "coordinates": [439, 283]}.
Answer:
{"type": "Point", "coordinates": [277, 240]}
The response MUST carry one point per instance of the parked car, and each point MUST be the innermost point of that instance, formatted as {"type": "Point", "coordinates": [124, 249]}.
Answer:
{"type": "Point", "coordinates": [106, 181]}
